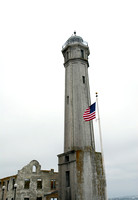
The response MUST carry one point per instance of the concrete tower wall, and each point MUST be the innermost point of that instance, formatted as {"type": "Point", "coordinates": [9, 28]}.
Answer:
{"type": "Point", "coordinates": [78, 133]}
{"type": "Point", "coordinates": [82, 176]}
{"type": "Point", "coordinates": [80, 169]}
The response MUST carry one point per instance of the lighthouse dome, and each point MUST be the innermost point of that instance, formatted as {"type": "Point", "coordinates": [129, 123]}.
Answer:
{"type": "Point", "coordinates": [75, 39]}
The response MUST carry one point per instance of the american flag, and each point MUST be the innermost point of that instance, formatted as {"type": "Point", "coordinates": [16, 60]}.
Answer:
{"type": "Point", "coordinates": [90, 112]}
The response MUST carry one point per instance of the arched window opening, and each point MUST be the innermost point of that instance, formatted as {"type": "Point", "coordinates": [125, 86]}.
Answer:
{"type": "Point", "coordinates": [34, 168]}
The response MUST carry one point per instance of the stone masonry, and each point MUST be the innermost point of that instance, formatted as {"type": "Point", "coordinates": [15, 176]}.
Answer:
{"type": "Point", "coordinates": [32, 183]}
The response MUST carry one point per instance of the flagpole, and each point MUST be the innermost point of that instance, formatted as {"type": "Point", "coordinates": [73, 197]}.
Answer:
{"type": "Point", "coordinates": [102, 154]}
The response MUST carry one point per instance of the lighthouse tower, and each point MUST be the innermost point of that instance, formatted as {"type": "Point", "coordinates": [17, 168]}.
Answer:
{"type": "Point", "coordinates": [78, 165]}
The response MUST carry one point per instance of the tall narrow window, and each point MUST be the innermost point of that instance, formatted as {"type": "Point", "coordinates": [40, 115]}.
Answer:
{"type": "Point", "coordinates": [26, 183]}
{"type": "Point", "coordinates": [13, 182]}
{"type": "Point", "coordinates": [82, 53]}
{"type": "Point", "coordinates": [39, 183]}
{"type": "Point", "coordinates": [67, 178]}
{"type": "Point", "coordinates": [67, 99]}
{"type": "Point", "coordinates": [53, 184]}
{"type": "Point", "coordinates": [7, 185]}
{"type": "Point", "coordinates": [67, 55]}
{"type": "Point", "coordinates": [83, 79]}
{"type": "Point", "coordinates": [34, 168]}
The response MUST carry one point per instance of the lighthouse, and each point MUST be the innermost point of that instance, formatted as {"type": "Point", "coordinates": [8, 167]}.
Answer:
{"type": "Point", "coordinates": [81, 175]}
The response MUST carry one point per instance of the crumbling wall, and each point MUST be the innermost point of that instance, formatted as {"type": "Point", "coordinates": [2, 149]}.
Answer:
{"type": "Point", "coordinates": [33, 174]}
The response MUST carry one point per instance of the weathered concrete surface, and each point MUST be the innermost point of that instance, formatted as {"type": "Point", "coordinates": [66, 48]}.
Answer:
{"type": "Point", "coordinates": [83, 175]}
{"type": "Point", "coordinates": [78, 133]}
{"type": "Point", "coordinates": [101, 181]}
{"type": "Point", "coordinates": [79, 164]}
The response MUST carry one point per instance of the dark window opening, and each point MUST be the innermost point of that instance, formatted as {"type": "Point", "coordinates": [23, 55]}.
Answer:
{"type": "Point", "coordinates": [39, 184]}
{"type": "Point", "coordinates": [7, 185]}
{"type": "Point", "coordinates": [67, 158]}
{"type": "Point", "coordinates": [26, 198]}
{"type": "Point", "coordinates": [53, 184]}
{"type": "Point", "coordinates": [82, 53]}
{"type": "Point", "coordinates": [26, 183]}
{"type": "Point", "coordinates": [67, 99]}
{"type": "Point", "coordinates": [83, 79]}
{"type": "Point", "coordinates": [67, 55]}
{"type": "Point", "coordinates": [13, 182]}
{"type": "Point", "coordinates": [39, 198]}
{"type": "Point", "coordinates": [67, 178]}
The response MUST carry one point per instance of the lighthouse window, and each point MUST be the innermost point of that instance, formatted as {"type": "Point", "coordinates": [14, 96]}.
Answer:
{"type": "Point", "coordinates": [67, 55]}
{"type": "Point", "coordinates": [82, 53]}
{"type": "Point", "coordinates": [67, 99]}
{"type": "Point", "coordinates": [83, 79]}
{"type": "Point", "coordinates": [67, 178]}
{"type": "Point", "coordinates": [67, 158]}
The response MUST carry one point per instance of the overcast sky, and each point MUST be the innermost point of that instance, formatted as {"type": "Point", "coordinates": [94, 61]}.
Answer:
{"type": "Point", "coordinates": [32, 82]}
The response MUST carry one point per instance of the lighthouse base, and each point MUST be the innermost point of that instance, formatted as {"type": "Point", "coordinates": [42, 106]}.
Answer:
{"type": "Point", "coordinates": [81, 175]}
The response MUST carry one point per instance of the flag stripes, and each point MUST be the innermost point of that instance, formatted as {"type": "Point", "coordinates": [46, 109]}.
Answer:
{"type": "Point", "coordinates": [90, 113]}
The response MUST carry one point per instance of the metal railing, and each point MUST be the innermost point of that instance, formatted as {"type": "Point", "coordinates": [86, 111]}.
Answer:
{"type": "Point", "coordinates": [74, 40]}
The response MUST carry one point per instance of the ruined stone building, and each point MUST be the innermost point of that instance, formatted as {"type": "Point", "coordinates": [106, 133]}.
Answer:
{"type": "Point", "coordinates": [30, 183]}
{"type": "Point", "coordinates": [81, 174]}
